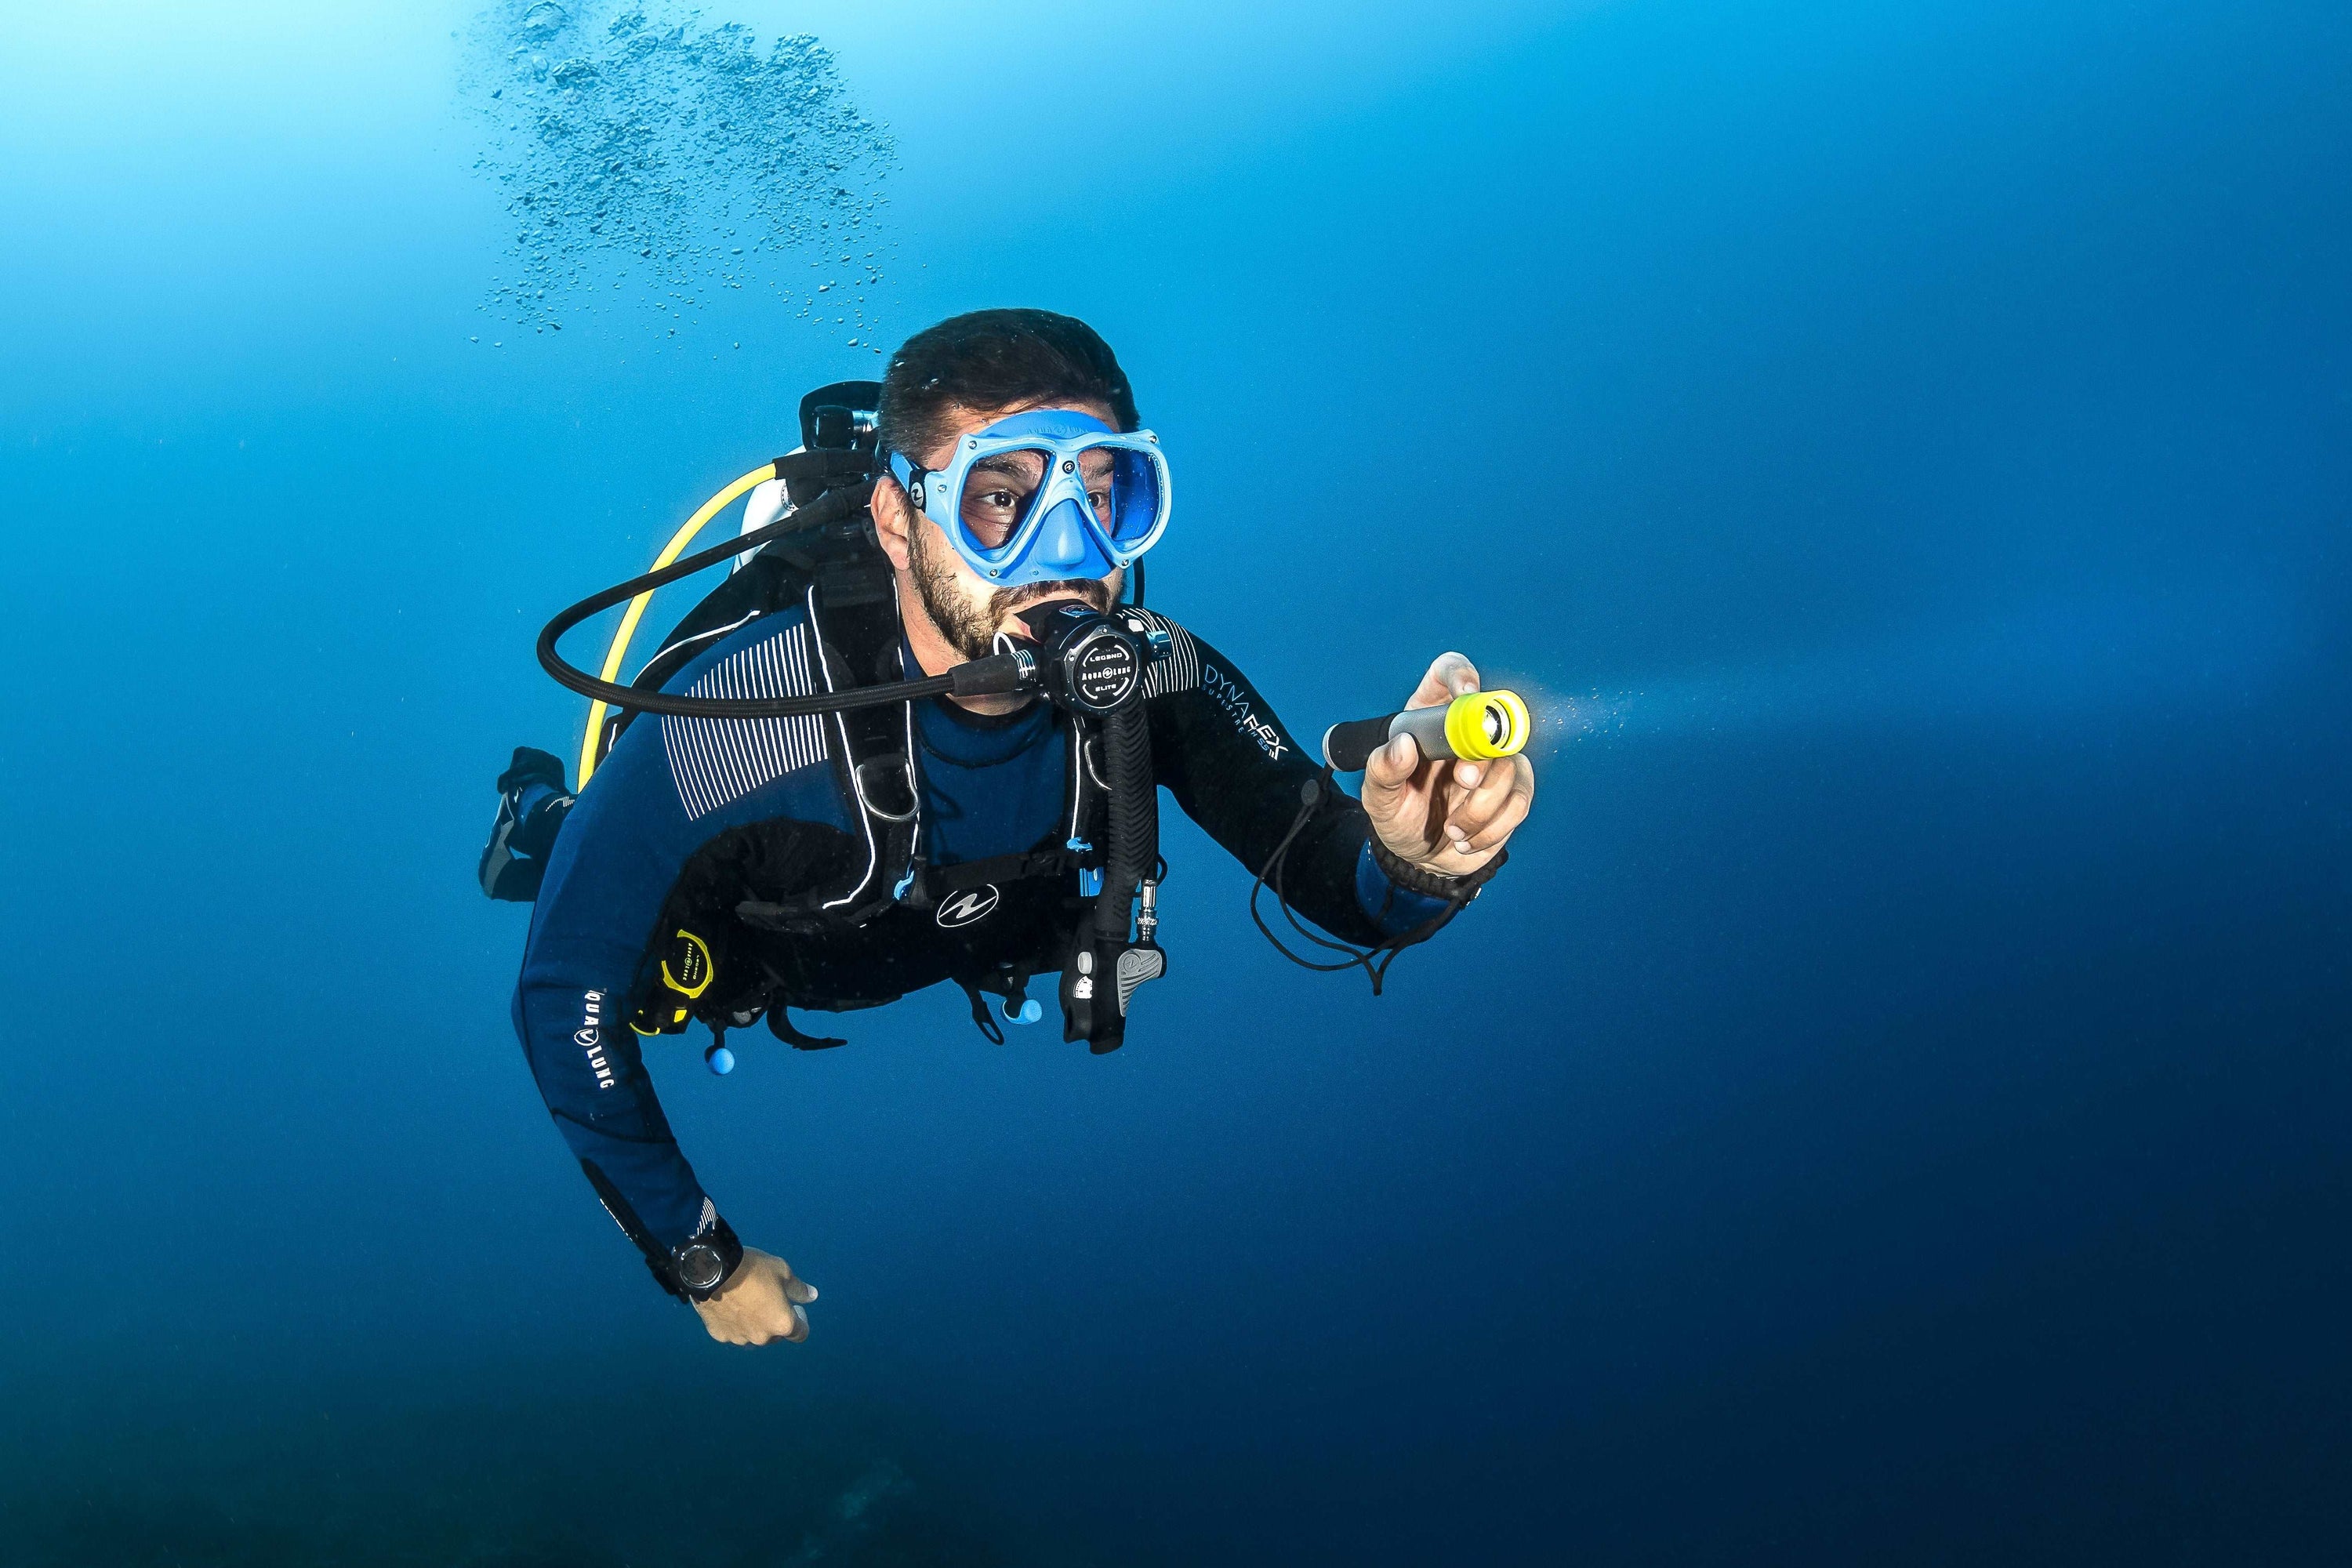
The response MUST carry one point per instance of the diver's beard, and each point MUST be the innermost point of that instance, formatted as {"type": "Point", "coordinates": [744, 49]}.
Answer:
{"type": "Point", "coordinates": [971, 629]}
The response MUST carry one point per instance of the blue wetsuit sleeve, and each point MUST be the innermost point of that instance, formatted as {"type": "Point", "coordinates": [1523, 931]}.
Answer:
{"type": "Point", "coordinates": [585, 1060]}
{"type": "Point", "coordinates": [1219, 748]}
{"type": "Point", "coordinates": [628, 839]}
{"type": "Point", "coordinates": [619, 853]}
{"type": "Point", "coordinates": [1221, 751]}
{"type": "Point", "coordinates": [1395, 909]}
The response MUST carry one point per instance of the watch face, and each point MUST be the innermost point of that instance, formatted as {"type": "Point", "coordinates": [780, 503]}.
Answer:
{"type": "Point", "coordinates": [699, 1265]}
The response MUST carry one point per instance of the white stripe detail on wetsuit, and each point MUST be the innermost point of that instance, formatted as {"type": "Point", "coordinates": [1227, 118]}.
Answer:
{"type": "Point", "coordinates": [715, 761]}
{"type": "Point", "coordinates": [1181, 670]}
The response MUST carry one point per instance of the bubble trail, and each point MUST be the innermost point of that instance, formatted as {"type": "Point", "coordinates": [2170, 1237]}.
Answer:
{"type": "Point", "coordinates": [639, 144]}
{"type": "Point", "coordinates": [2114, 653]}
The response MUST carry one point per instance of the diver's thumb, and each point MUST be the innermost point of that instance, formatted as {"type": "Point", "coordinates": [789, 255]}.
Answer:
{"type": "Point", "coordinates": [1390, 768]}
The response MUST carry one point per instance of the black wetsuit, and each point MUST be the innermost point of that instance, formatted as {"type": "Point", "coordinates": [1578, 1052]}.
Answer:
{"type": "Point", "coordinates": [690, 820]}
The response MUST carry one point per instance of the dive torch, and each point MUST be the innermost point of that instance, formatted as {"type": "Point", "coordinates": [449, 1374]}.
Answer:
{"type": "Point", "coordinates": [1478, 726]}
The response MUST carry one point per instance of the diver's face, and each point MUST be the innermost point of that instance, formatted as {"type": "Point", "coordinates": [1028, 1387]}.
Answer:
{"type": "Point", "coordinates": [967, 611]}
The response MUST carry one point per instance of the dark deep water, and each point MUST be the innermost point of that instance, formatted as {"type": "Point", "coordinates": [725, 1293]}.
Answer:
{"type": "Point", "coordinates": [1894, 1108]}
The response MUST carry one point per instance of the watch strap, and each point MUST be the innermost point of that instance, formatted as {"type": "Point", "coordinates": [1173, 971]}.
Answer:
{"type": "Point", "coordinates": [1431, 884]}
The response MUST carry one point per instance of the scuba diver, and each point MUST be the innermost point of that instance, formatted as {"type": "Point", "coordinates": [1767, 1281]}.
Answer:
{"type": "Point", "coordinates": [918, 736]}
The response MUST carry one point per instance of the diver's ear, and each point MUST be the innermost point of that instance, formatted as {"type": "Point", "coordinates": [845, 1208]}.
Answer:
{"type": "Point", "coordinates": [894, 521]}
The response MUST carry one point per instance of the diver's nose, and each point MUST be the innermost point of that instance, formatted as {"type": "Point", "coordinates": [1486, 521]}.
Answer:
{"type": "Point", "coordinates": [1061, 538]}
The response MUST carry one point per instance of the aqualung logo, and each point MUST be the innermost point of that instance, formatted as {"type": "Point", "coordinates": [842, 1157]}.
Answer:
{"type": "Point", "coordinates": [1227, 694]}
{"type": "Point", "coordinates": [590, 1037]}
{"type": "Point", "coordinates": [1105, 673]}
{"type": "Point", "coordinates": [968, 907]}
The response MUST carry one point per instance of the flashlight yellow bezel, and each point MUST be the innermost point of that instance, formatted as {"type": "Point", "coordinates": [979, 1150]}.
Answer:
{"type": "Point", "coordinates": [1466, 725]}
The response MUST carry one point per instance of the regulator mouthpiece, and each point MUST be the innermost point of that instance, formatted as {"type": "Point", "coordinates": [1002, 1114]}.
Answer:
{"type": "Point", "coordinates": [1477, 728]}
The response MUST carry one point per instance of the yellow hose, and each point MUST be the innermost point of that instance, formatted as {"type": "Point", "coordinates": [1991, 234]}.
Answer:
{"type": "Point", "coordinates": [637, 610]}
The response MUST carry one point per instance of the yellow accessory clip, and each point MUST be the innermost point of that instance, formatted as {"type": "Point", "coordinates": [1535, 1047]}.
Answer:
{"type": "Point", "coordinates": [693, 955]}
{"type": "Point", "coordinates": [694, 971]}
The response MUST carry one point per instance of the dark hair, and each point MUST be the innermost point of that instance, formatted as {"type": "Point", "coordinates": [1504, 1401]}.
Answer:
{"type": "Point", "coordinates": [988, 359]}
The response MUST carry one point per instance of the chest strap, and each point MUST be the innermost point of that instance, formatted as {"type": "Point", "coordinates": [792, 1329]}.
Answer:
{"type": "Point", "coordinates": [934, 883]}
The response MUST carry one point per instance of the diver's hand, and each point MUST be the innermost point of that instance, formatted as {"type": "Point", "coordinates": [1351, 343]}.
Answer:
{"type": "Point", "coordinates": [760, 1304]}
{"type": "Point", "coordinates": [1448, 816]}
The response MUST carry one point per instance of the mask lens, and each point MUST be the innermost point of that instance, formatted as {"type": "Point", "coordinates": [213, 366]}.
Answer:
{"type": "Point", "coordinates": [1124, 491]}
{"type": "Point", "coordinates": [1134, 495]}
{"type": "Point", "coordinates": [997, 493]}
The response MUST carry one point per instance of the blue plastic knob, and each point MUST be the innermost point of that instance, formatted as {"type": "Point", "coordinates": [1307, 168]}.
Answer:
{"type": "Point", "coordinates": [719, 1060]}
{"type": "Point", "coordinates": [1027, 1013]}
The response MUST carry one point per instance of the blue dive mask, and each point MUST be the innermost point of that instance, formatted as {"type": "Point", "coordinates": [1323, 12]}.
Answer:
{"type": "Point", "coordinates": [1047, 496]}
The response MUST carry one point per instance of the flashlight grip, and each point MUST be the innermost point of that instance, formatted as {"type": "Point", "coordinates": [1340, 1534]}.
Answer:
{"type": "Point", "coordinates": [1348, 747]}
{"type": "Point", "coordinates": [1478, 725]}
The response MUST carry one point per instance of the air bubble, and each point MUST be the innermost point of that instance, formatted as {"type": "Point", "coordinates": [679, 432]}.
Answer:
{"type": "Point", "coordinates": [622, 128]}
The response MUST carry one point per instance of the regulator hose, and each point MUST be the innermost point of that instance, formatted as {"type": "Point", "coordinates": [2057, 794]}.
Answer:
{"type": "Point", "coordinates": [619, 649]}
{"type": "Point", "coordinates": [993, 675]}
{"type": "Point", "coordinates": [1134, 819]}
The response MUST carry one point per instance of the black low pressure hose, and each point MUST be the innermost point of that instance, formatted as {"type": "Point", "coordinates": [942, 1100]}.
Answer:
{"type": "Point", "coordinates": [1134, 818]}
{"type": "Point", "coordinates": [996, 676]}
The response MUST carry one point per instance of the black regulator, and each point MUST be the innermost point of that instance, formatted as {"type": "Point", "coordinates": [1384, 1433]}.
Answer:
{"type": "Point", "coordinates": [1082, 660]}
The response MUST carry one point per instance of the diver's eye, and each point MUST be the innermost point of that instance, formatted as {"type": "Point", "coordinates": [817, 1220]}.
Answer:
{"type": "Point", "coordinates": [991, 511]}
{"type": "Point", "coordinates": [1100, 500]}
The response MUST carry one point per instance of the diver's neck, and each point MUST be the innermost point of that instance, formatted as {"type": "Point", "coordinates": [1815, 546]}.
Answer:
{"type": "Point", "coordinates": [934, 654]}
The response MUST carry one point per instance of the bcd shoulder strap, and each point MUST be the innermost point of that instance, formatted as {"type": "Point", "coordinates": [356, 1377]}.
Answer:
{"type": "Point", "coordinates": [831, 545]}
{"type": "Point", "coordinates": [767, 583]}
{"type": "Point", "coordinates": [854, 616]}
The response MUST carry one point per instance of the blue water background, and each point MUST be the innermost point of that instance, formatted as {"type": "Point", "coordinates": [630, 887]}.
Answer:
{"type": "Point", "coordinates": [1894, 1107]}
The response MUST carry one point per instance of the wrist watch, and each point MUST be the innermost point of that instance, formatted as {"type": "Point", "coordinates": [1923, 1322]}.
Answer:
{"type": "Point", "coordinates": [702, 1263]}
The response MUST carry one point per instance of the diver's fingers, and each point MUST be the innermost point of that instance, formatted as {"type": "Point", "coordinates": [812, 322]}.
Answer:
{"type": "Point", "coordinates": [1489, 788]}
{"type": "Point", "coordinates": [1456, 813]}
{"type": "Point", "coordinates": [791, 1286]}
{"type": "Point", "coordinates": [1490, 822]}
{"type": "Point", "coordinates": [799, 1331]}
{"type": "Point", "coordinates": [1390, 770]}
{"type": "Point", "coordinates": [1506, 822]}
{"type": "Point", "coordinates": [1451, 674]}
